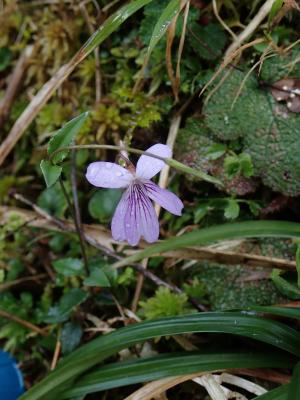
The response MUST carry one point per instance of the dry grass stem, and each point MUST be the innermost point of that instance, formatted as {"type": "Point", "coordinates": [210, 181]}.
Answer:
{"type": "Point", "coordinates": [33, 108]}
{"type": "Point", "coordinates": [180, 49]}
{"type": "Point", "coordinates": [228, 61]}
{"type": "Point", "coordinates": [20, 321]}
{"type": "Point", "coordinates": [217, 15]}
{"type": "Point", "coordinates": [251, 27]}
{"type": "Point", "coordinates": [170, 39]}
{"type": "Point", "coordinates": [16, 282]}
{"type": "Point", "coordinates": [98, 77]}
{"type": "Point", "coordinates": [56, 354]}
{"type": "Point", "coordinates": [153, 389]}
{"type": "Point", "coordinates": [15, 81]}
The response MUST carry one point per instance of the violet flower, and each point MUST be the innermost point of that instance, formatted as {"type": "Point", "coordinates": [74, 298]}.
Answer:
{"type": "Point", "coordinates": [135, 215]}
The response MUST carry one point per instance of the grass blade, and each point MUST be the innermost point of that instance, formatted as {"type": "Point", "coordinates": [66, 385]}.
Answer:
{"type": "Point", "coordinates": [148, 369]}
{"type": "Point", "coordinates": [288, 312]}
{"type": "Point", "coordinates": [91, 354]}
{"type": "Point", "coordinates": [163, 23]}
{"type": "Point", "coordinates": [220, 232]}
{"type": "Point", "coordinates": [111, 24]}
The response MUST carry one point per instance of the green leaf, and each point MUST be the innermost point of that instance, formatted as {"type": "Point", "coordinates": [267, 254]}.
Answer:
{"type": "Point", "coordinates": [163, 23]}
{"type": "Point", "coordinates": [232, 166]}
{"type": "Point", "coordinates": [279, 393]}
{"type": "Point", "coordinates": [268, 331]}
{"type": "Point", "coordinates": [65, 135]}
{"type": "Point", "coordinates": [69, 266]}
{"type": "Point", "coordinates": [53, 201]}
{"type": "Point", "coordinates": [246, 165]}
{"type": "Point", "coordinates": [97, 278]}
{"type": "Point", "coordinates": [110, 25]}
{"type": "Point", "coordinates": [254, 207]}
{"type": "Point", "coordinates": [154, 368]}
{"type": "Point", "coordinates": [287, 288]}
{"type": "Point", "coordinates": [50, 172]}
{"type": "Point", "coordinates": [216, 233]}
{"type": "Point", "coordinates": [232, 209]}
{"type": "Point", "coordinates": [70, 337]}
{"type": "Point", "coordinates": [208, 41]}
{"type": "Point", "coordinates": [274, 9]}
{"type": "Point", "coordinates": [67, 303]}
{"type": "Point", "coordinates": [201, 211]}
{"type": "Point", "coordinates": [103, 203]}
{"type": "Point", "coordinates": [294, 389]}
{"type": "Point", "coordinates": [216, 151]}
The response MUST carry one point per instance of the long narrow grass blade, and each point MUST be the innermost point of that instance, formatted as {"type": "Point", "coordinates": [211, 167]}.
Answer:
{"type": "Point", "coordinates": [91, 354]}
{"type": "Point", "coordinates": [163, 23]}
{"type": "Point", "coordinates": [161, 26]}
{"type": "Point", "coordinates": [112, 24]}
{"type": "Point", "coordinates": [288, 312]}
{"type": "Point", "coordinates": [215, 233]}
{"type": "Point", "coordinates": [148, 369]}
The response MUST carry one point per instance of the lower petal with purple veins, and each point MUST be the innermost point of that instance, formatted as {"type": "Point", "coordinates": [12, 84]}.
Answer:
{"type": "Point", "coordinates": [140, 217]}
{"type": "Point", "coordinates": [166, 199]}
{"type": "Point", "coordinates": [135, 217]}
{"type": "Point", "coordinates": [118, 221]}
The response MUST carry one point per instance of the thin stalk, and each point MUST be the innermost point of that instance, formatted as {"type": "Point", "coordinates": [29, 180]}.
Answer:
{"type": "Point", "coordinates": [73, 213]}
{"type": "Point", "coordinates": [169, 161]}
{"type": "Point", "coordinates": [77, 216]}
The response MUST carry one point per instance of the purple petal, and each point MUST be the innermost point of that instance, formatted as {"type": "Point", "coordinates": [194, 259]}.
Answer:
{"type": "Point", "coordinates": [148, 166]}
{"type": "Point", "coordinates": [135, 217]}
{"type": "Point", "coordinates": [168, 200]}
{"type": "Point", "coordinates": [108, 175]}
{"type": "Point", "coordinates": [118, 221]}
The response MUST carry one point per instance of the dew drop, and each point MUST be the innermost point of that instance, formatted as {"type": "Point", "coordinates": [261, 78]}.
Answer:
{"type": "Point", "coordinates": [92, 171]}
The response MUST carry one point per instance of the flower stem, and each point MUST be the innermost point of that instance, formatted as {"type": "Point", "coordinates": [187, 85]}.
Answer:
{"type": "Point", "coordinates": [169, 161]}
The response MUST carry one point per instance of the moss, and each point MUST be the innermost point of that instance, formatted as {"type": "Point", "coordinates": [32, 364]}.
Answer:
{"type": "Point", "coordinates": [280, 66]}
{"type": "Point", "coordinates": [227, 288]}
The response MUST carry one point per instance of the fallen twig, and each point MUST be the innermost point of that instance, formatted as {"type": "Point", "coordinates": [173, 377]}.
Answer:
{"type": "Point", "coordinates": [16, 282]}
{"type": "Point", "coordinates": [26, 324]}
